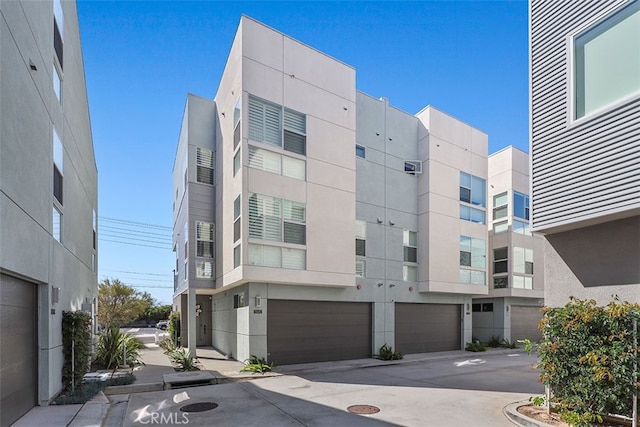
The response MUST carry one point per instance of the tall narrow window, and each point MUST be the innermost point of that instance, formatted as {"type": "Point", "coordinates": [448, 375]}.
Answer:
{"type": "Point", "coordinates": [237, 125]}
{"type": "Point", "coordinates": [236, 218]}
{"type": "Point", "coordinates": [410, 248]}
{"type": "Point", "coordinates": [520, 205]}
{"type": "Point", "coordinates": [295, 130]}
{"type": "Point", "coordinates": [56, 228]}
{"type": "Point", "coordinates": [237, 256]}
{"type": "Point", "coordinates": [522, 260]}
{"type": "Point", "coordinates": [58, 158]}
{"type": "Point", "coordinates": [204, 239]}
{"type": "Point", "coordinates": [58, 31]}
{"type": "Point", "coordinates": [472, 261]}
{"type": "Point", "coordinates": [236, 163]}
{"type": "Point", "coordinates": [95, 229]}
{"type": "Point", "coordinates": [361, 236]}
{"type": "Point", "coordinates": [204, 165]}
{"type": "Point", "coordinates": [57, 83]}
{"type": "Point", "coordinates": [294, 222]}
{"type": "Point", "coordinates": [500, 260]}
{"type": "Point", "coordinates": [265, 122]}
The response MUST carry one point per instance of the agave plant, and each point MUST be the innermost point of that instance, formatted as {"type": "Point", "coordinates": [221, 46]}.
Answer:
{"type": "Point", "coordinates": [109, 349]}
{"type": "Point", "coordinates": [182, 358]}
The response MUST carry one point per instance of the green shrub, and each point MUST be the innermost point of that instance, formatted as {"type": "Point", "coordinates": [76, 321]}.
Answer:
{"type": "Point", "coordinates": [475, 347]}
{"type": "Point", "coordinates": [120, 380]}
{"type": "Point", "coordinates": [76, 347]}
{"type": "Point", "coordinates": [257, 365]}
{"type": "Point", "coordinates": [109, 352]}
{"type": "Point", "coordinates": [173, 328]}
{"type": "Point", "coordinates": [182, 359]}
{"type": "Point", "coordinates": [587, 358]}
{"type": "Point", "coordinates": [387, 353]}
{"type": "Point", "coordinates": [494, 342]}
{"type": "Point", "coordinates": [507, 344]}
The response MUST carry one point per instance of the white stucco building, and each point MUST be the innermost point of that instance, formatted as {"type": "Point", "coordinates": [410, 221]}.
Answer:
{"type": "Point", "coordinates": [314, 222]}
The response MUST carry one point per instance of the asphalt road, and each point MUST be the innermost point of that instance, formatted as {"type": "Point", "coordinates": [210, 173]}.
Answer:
{"type": "Point", "coordinates": [469, 389]}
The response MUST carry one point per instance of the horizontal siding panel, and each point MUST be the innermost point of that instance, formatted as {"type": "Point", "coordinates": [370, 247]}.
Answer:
{"type": "Point", "coordinates": [585, 168]}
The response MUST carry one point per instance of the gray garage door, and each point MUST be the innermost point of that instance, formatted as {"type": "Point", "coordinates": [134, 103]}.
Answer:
{"type": "Point", "coordinates": [317, 331]}
{"type": "Point", "coordinates": [18, 351]}
{"type": "Point", "coordinates": [524, 323]}
{"type": "Point", "coordinates": [423, 328]}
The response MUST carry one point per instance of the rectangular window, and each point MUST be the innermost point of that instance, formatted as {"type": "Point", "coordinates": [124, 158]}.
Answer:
{"type": "Point", "coordinates": [520, 205]}
{"type": "Point", "coordinates": [476, 308]}
{"type": "Point", "coordinates": [473, 256]}
{"type": "Point", "coordinates": [56, 229]}
{"type": "Point", "coordinates": [500, 282]}
{"type": "Point", "coordinates": [57, 184]}
{"type": "Point", "coordinates": [236, 163]}
{"type": "Point", "coordinates": [276, 163]}
{"type": "Point", "coordinates": [95, 229]}
{"type": "Point", "coordinates": [204, 269]}
{"type": "Point", "coordinates": [58, 163]}
{"type": "Point", "coordinates": [413, 167]}
{"type": "Point", "coordinates": [57, 42]}
{"type": "Point", "coordinates": [360, 151]}
{"type": "Point", "coordinates": [204, 162]}
{"type": "Point", "coordinates": [265, 122]}
{"type": "Point", "coordinates": [204, 239]}
{"type": "Point", "coordinates": [472, 189]}
{"type": "Point", "coordinates": [277, 257]}
{"type": "Point", "coordinates": [607, 61]}
{"type": "Point", "coordinates": [500, 205]}
{"type": "Point", "coordinates": [237, 124]}
{"type": "Point", "coordinates": [295, 129]}
{"type": "Point", "coordinates": [410, 273]}
{"type": "Point", "coordinates": [523, 282]}
{"type": "Point", "coordinates": [472, 214]}
{"type": "Point", "coordinates": [57, 83]}
{"type": "Point", "coordinates": [238, 300]}
{"type": "Point", "coordinates": [236, 256]}
{"type": "Point", "coordinates": [522, 260]}
{"type": "Point", "coordinates": [521, 227]}
{"type": "Point", "coordinates": [186, 270]}
{"type": "Point", "coordinates": [500, 227]}
{"type": "Point", "coordinates": [361, 266]}
{"type": "Point", "coordinates": [410, 242]}
{"type": "Point", "coordinates": [236, 218]}
{"type": "Point", "coordinates": [271, 124]}
{"type": "Point", "coordinates": [500, 260]}
{"type": "Point", "coordinates": [361, 236]}
{"type": "Point", "coordinates": [271, 218]}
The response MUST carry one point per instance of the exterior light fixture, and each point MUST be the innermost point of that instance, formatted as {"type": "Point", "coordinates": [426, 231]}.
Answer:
{"type": "Point", "coordinates": [198, 309]}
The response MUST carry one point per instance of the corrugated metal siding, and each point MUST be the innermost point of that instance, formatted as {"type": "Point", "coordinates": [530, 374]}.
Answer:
{"type": "Point", "coordinates": [587, 168]}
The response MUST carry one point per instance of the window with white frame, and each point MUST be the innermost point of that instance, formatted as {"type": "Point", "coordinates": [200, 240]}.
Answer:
{"type": "Point", "coordinates": [410, 273]}
{"type": "Point", "coordinates": [237, 223]}
{"type": "Point", "coordinates": [500, 205]}
{"type": "Point", "coordinates": [500, 260]}
{"type": "Point", "coordinates": [236, 163]}
{"type": "Point", "coordinates": [522, 282]}
{"type": "Point", "coordinates": [272, 218]}
{"type": "Point", "coordinates": [500, 227]}
{"type": "Point", "coordinates": [277, 257]}
{"type": "Point", "coordinates": [281, 164]}
{"type": "Point", "coordinates": [522, 260]}
{"type": "Point", "coordinates": [204, 239]}
{"type": "Point", "coordinates": [204, 269]}
{"type": "Point", "coordinates": [500, 282]}
{"type": "Point", "coordinates": [472, 214]}
{"type": "Point", "coordinates": [472, 189]}
{"type": "Point", "coordinates": [606, 61]}
{"type": "Point", "coordinates": [281, 127]}
{"type": "Point", "coordinates": [204, 165]}
{"type": "Point", "coordinates": [472, 260]}
{"type": "Point", "coordinates": [520, 205]}
{"type": "Point", "coordinates": [237, 256]}
{"type": "Point", "coordinates": [56, 228]}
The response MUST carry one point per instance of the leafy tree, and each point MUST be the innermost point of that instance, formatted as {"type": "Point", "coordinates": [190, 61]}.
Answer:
{"type": "Point", "coordinates": [119, 304]}
{"type": "Point", "coordinates": [155, 313]}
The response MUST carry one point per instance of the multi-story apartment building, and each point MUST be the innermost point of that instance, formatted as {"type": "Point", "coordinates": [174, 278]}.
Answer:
{"type": "Point", "coordinates": [585, 146]}
{"type": "Point", "coordinates": [48, 198]}
{"type": "Point", "coordinates": [314, 222]}
{"type": "Point", "coordinates": [511, 311]}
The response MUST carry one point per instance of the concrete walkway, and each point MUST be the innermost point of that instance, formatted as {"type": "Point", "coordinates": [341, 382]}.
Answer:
{"type": "Point", "coordinates": [313, 394]}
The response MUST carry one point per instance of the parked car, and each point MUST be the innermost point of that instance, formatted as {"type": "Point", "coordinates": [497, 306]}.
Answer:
{"type": "Point", "coordinates": [162, 325]}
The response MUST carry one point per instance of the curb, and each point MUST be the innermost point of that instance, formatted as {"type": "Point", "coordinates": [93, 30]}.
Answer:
{"type": "Point", "coordinates": [133, 388]}
{"type": "Point", "coordinates": [92, 413]}
{"type": "Point", "coordinates": [511, 412]}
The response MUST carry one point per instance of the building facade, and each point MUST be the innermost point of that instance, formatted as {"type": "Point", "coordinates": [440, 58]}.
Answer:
{"type": "Point", "coordinates": [516, 279]}
{"type": "Point", "coordinates": [48, 198]}
{"type": "Point", "coordinates": [585, 146]}
{"type": "Point", "coordinates": [313, 222]}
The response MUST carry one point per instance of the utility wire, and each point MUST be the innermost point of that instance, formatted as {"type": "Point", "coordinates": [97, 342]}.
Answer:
{"type": "Point", "coordinates": [116, 229]}
{"type": "Point", "coordinates": [139, 224]}
{"type": "Point", "coordinates": [136, 244]}
{"type": "Point", "coordinates": [140, 273]}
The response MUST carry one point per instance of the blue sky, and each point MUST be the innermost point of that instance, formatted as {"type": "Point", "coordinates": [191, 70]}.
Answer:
{"type": "Point", "coordinates": [468, 58]}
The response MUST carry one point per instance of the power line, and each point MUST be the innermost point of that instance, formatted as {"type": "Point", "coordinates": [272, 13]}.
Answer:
{"type": "Point", "coordinates": [140, 273]}
{"type": "Point", "coordinates": [125, 237]}
{"type": "Point", "coordinates": [168, 248]}
{"type": "Point", "coordinates": [114, 229]}
{"type": "Point", "coordinates": [139, 224]}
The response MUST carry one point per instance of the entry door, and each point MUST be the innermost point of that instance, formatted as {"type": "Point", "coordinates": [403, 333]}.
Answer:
{"type": "Point", "coordinates": [203, 336]}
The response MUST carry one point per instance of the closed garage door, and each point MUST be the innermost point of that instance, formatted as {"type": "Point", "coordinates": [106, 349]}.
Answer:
{"type": "Point", "coordinates": [18, 354]}
{"type": "Point", "coordinates": [524, 323]}
{"type": "Point", "coordinates": [317, 331]}
{"type": "Point", "coordinates": [423, 328]}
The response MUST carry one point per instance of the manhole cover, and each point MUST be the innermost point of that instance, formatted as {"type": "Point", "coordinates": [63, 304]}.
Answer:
{"type": "Point", "coordinates": [199, 407]}
{"type": "Point", "coordinates": [363, 409]}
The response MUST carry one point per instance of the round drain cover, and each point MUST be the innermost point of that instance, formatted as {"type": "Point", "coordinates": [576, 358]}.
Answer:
{"type": "Point", "coordinates": [199, 407]}
{"type": "Point", "coordinates": [363, 409]}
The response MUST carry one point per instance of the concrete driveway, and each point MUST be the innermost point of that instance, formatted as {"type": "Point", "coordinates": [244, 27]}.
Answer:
{"type": "Point", "coordinates": [465, 389]}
